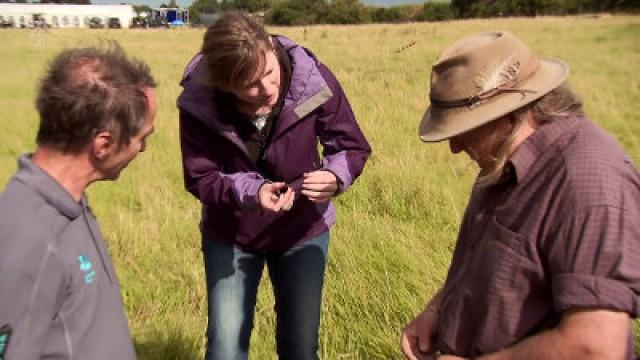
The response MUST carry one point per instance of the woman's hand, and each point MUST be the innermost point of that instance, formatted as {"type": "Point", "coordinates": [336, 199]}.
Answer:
{"type": "Point", "coordinates": [272, 198]}
{"type": "Point", "coordinates": [320, 185]}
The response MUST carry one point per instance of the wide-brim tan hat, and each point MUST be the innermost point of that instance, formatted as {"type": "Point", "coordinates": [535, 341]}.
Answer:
{"type": "Point", "coordinates": [481, 78]}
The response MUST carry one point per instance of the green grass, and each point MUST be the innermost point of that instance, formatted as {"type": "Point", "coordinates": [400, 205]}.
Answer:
{"type": "Point", "coordinates": [396, 227]}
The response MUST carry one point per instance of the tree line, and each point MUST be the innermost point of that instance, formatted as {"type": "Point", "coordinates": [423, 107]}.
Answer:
{"type": "Point", "coordinates": [308, 12]}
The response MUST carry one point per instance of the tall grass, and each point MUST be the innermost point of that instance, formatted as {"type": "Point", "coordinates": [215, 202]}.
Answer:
{"type": "Point", "coordinates": [397, 226]}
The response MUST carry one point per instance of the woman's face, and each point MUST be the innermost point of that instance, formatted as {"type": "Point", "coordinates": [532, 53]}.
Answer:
{"type": "Point", "coordinates": [264, 90]}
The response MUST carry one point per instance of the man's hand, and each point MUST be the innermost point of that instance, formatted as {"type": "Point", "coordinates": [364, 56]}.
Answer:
{"type": "Point", "coordinates": [320, 185]}
{"type": "Point", "coordinates": [271, 199]}
{"type": "Point", "coordinates": [418, 337]}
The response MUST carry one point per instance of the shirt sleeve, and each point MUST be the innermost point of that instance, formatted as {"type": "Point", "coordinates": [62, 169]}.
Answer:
{"type": "Point", "coordinates": [32, 288]}
{"type": "Point", "coordinates": [594, 261]}
{"type": "Point", "coordinates": [345, 149]}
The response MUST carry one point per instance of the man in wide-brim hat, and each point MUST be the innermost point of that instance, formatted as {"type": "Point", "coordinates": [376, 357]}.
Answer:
{"type": "Point", "coordinates": [547, 261]}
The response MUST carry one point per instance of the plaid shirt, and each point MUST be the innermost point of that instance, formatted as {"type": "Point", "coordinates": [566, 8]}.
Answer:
{"type": "Point", "coordinates": [562, 233]}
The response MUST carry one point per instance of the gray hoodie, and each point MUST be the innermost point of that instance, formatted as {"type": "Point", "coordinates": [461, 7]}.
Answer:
{"type": "Point", "coordinates": [59, 294]}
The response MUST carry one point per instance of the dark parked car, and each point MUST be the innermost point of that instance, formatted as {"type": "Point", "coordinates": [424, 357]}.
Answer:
{"type": "Point", "coordinates": [40, 22]}
{"type": "Point", "coordinates": [139, 22]}
{"type": "Point", "coordinates": [157, 22]}
{"type": "Point", "coordinates": [6, 23]}
{"type": "Point", "coordinates": [96, 23]}
{"type": "Point", "coordinates": [114, 23]}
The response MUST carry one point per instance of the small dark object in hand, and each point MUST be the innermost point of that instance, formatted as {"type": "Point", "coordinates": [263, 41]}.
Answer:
{"type": "Point", "coordinates": [283, 190]}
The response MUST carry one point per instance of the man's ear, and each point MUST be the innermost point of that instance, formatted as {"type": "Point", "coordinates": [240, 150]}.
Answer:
{"type": "Point", "coordinates": [102, 145]}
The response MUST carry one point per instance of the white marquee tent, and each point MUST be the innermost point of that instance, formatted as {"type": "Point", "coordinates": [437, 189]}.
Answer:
{"type": "Point", "coordinates": [64, 15]}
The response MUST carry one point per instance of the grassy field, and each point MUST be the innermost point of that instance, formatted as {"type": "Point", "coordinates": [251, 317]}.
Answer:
{"type": "Point", "coordinates": [397, 226]}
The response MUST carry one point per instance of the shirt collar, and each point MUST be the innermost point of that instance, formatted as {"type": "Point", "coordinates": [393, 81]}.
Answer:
{"type": "Point", "coordinates": [48, 188]}
{"type": "Point", "coordinates": [538, 143]}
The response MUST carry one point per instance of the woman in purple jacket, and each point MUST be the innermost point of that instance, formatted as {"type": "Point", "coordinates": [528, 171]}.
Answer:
{"type": "Point", "coordinates": [252, 111]}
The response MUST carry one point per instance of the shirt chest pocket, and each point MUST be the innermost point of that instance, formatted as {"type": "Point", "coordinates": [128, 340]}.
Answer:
{"type": "Point", "coordinates": [501, 260]}
{"type": "Point", "coordinates": [481, 310]}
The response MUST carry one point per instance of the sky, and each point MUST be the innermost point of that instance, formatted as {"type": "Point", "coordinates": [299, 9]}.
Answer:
{"type": "Point", "coordinates": [187, 3]}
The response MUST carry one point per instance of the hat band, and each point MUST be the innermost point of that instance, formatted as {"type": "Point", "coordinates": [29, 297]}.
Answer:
{"type": "Point", "coordinates": [508, 87]}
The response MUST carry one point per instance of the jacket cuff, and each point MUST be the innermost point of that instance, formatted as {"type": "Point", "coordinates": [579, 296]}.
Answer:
{"type": "Point", "coordinates": [339, 166]}
{"type": "Point", "coordinates": [245, 187]}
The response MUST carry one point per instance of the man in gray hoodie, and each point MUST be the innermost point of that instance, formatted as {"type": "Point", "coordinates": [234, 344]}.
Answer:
{"type": "Point", "coordinates": [59, 294]}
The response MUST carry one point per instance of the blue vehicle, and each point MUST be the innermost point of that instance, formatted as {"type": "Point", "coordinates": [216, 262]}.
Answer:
{"type": "Point", "coordinates": [174, 17]}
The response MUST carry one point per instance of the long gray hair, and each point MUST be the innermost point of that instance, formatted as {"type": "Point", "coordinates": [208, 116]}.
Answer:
{"type": "Point", "coordinates": [559, 103]}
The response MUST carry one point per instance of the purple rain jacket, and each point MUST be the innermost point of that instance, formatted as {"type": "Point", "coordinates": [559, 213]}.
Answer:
{"type": "Point", "coordinates": [218, 171]}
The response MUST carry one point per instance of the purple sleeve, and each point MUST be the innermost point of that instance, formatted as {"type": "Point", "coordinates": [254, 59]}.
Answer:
{"type": "Point", "coordinates": [203, 176]}
{"type": "Point", "coordinates": [594, 262]}
{"type": "Point", "coordinates": [345, 149]}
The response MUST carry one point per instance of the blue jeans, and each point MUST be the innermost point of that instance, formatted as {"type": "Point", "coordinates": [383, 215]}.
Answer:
{"type": "Point", "coordinates": [233, 276]}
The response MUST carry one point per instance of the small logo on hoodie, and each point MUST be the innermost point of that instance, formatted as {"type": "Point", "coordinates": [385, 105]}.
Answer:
{"type": "Point", "coordinates": [5, 336]}
{"type": "Point", "coordinates": [87, 268]}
